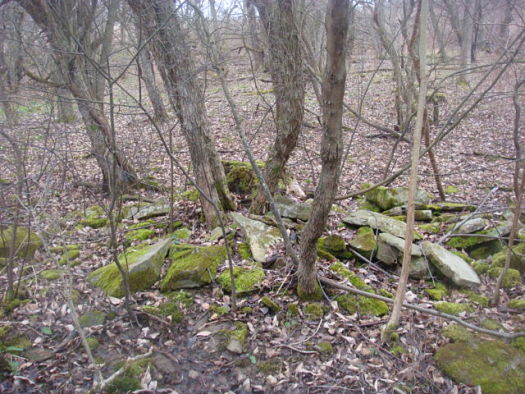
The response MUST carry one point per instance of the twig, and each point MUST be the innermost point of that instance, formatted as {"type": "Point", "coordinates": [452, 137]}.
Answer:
{"type": "Point", "coordinates": [504, 335]}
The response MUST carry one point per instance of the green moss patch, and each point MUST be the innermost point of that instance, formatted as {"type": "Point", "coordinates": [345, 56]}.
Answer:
{"type": "Point", "coordinates": [236, 338]}
{"type": "Point", "coordinates": [438, 292]}
{"type": "Point", "coordinates": [92, 318]}
{"type": "Point", "coordinates": [364, 305]}
{"type": "Point", "coordinates": [246, 279]}
{"type": "Point", "coordinates": [511, 278]}
{"type": "Point", "coordinates": [26, 242]}
{"type": "Point", "coordinates": [517, 304]}
{"type": "Point", "coordinates": [95, 217]}
{"type": "Point", "coordinates": [51, 275]}
{"type": "Point", "coordinates": [192, 266]}
{"type": "Point", "coordinates": [138, 235]}
{"type": "Point", "coordinates": [341, 270]}
{"type": "Point", "coordinates": [365, 241]}
{"type": "Point", "coordinates": [69, 256]}
{"type": "Point", "coordinates": [493, 365]}
{"type": "Point", "coordinates": [314, 310]}
{"type": "Point", "coordinates": [271, 304]}
{"type": "Point", "coordinates": [452, 308]}
{"type": "Point", "coordinates": [457, 333]}
{"type": "Point", "coordinates": [335, 246]}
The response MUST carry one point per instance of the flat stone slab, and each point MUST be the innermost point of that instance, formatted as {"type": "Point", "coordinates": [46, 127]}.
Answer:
{"type": "Point", "coordinates": [143, 264]}
{"type": "Point", "coordinates": [291, 209]}
{"type": "Point", "coordinates": [390, 251]}
{"type": "Point", "coordinates": [471, 226]}
{"type": "Point", "coordinates": [259, 236]}
{"type": "Point", "coordinates": [451, 265]}
{"type": "Point", "coordinates": [149, 211]}
{"type": "Point", "coordinates": [379, 222]}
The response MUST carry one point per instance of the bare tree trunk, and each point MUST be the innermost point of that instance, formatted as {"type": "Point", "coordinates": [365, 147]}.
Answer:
{"type": "Point", "coordinates": [147, 75]}
{"type": "Point", "coordinates": [254, 42]}
{"type": "Point", "coordinates": [438, 32]}
{"type": "Point", "coordinates": [416, 144]}
{"type": "Point", "coordinates": [172, 53]}
{"type": "Point", "coordinates": [519, 184]}
{"type": "Point", "coordinates": [286, 68]}
{"type": "Point", "coordinates": [80, 55]}
{"type": "Point", "coordinates": [467, 33]}
{"type": "Point", "coordinates": [66, 112]}
{"type": "Point", "coordinates": [504, 30]}
{"type": "Point", "coordinates": [331, 146]}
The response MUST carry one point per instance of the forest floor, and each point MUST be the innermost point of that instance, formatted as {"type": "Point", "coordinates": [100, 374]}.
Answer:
{"type": "Point", "coordinates": [283, 353]}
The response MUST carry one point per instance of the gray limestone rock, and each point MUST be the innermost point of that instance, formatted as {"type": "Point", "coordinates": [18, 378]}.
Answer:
{"type": "Point", "coordinates": [259, 236]}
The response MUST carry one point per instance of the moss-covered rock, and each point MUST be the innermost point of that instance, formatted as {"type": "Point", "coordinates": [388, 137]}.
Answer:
{"type": "Point", "coordinates": [240, 176]}
{"type": "Point", "coordinates": [235, 338]}
{"type": "Point", "coordinates": [333, 246]}
{"type": "Point", "coordinates": [94, 217]}
{"type": "Point", "coordinates": [247, 279]}
{"type": "Point", "coordinates": [293, 309]}
{"type": "Point", "coordinates": [325, 347]}
{"type": "Point", "coordinates": [244, 251]}
{"type": "Point", "coordinates": [438, 292]}
{"type": "Point", "coordinates": [519, 343]}
{"type": "Point", "coordinates": [511, 278]}
{"type": "Point", "coordinates": [138, 235]}
{"type": "Point", "coordinates": [182, 233]}
{"type": "Point", "coordinates": [365, 241]}
{"type": "Point", "coordinates": [452, 308]}
{"type": "Point", "coordinates": [481, 267]}
{"type": "Point", "coordinates": [341, 270]}
{"type": "Point", "coordinates": [192, 266]}
{"type": "Point", "coordinates": [457, 333]}
{"type": "Point", "coordinates": [26, 242]}
{"type": "Point", "coordinates": [93, 343]}
{"type": "Point", "coordinates": [313, 310]}
{"type": "Point", "coordinates": [387, 198]}
{"type": "Point", "coordinates": [52, 274]}
{"type": "Point", "coordinates": [485, 250]}
{"type": "Point", "coordinates": [363, 305]}
{"type": "Point", "coordinates": [142, 263]}
{"type": "Point", "coordinates": [494, 365]}
{"type": "Point", "coordinates": [271, 304]}
{"type": "Point", "coordinates": [517, 260]}
{"type": "Point", "coordinates": [476, 298]}
{"type": "Point", "coordinates": [517, 304]}
{"type": "Point", "coordinates": [432, 228]}
{"type": "Point", "coordinates": [69, 256]}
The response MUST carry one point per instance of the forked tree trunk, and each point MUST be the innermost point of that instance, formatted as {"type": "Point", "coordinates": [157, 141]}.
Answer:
{"type": "Point", "coordinates": [286, 68]}
{"type": "Point", "coordinates": [333, 89]}
{"type": "Point", "coordinates": [80, 55]}
{"type": "Point", "coordinates": [172, 53]}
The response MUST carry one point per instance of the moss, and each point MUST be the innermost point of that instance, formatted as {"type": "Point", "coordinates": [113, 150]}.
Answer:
{"type": "Point", "coordinates": [182, 233]}
{"type": "Point", "coordinates": [26, 242]}
{"type": "Point", "coordinates": [246, 279]}
{"type": "Point", "coordinates": [451, 189]}
{"type": "Point", "coordinates": [192, 266]}
{"type": "Point", "coordinates": [123, 384]}
{"type": "Point", "coordinates": [519, 343]}
{"type": "Point", "coordinates": [240, 176]}
{"type": "Point", "coordinates": [152, 310]}
{"type": "Point", "coordinates": [68, 256]}
{"type": "Point", "coordinates": [315, 294]}
{"type": "Point", "coordinates": [191, 195]}
{"type": "Point", "coordinates": [383, 197]}
{"type": "Point", "coordinates": [480, 267]}
{"type": "Point", "coordinates": [236, 338]}
{"type": "Point", "coordinates": [438, 292]}
{"type": "Point", "coordinates": [138, 235]}
{"type": "Point", "coordinates": [244, 251]}
{"type": "Point", "coordinates": [142, 224]}
{"type": "Point", "coordinates": [368, 206]}
{"type": "Point", "coordinates": [432, 228]}
{"type": "Point", "coordinates": [270, 367]}
{"type": "Point", "coordinates": [62, 248]}
{"type": "Point", "coordinates": [314, 310]}
{"type": "Point", "coordinates": [463, 256]}
{"type": "Point", "coordinates": [293, 309]}
{"type": "Point", "coordinates": [452, 308]}
{"type": "Point", "coordinates": [517, 260]}
{"type": "Point", "coordinates": [322, 253]}
{"type": "Point", "coordinates": [517, 304]}
{"type": "Point", "coordinates": [171, 310]}
{"type": "Point", "coordinates": [325, 347]}
{"type": "Point", "coordinates": [334, 245]}
{"type": "Point", "coordinates": [344, 272]}
{"type": "Point", "coordinates": [271, 304]}
{"type": "Point", "coordinates": [398, 350]}
{"type": "Point", "coordinates": [364, 305]}
{"type": "Point", "coordinates": [92, 318]}
{"type": "Point", "coordinates": [386, 293]}
{"type": "Point", "coordinates": [184, 298]}
{"type": "Point", "coordinates": [493, 365]}
{"type": "Point", "coordinates": [476, 298]}
{"type": "Point", "coordinates": [246, 309]}
{"type": "Point", "coordinates": [467, 242]}
{"type": "Point", "coordinates": [485, 250]}
{"type": "Point", "coordinates": [220, 310]}
{"type": "Point", "coordinates": [512, 277]}
{"type": "Point", "coordinates": [92, 342]}
{"type": "Point", "coordinates": [457, 333]}
{"type": "Point", "coordinates": [94, 217]}
{"type": "Point", "coordinates": [365, 241]}
{"type": "Point", "coordinates": [491, 324]}
{"type": "Point", "coordinates": [53, 274]}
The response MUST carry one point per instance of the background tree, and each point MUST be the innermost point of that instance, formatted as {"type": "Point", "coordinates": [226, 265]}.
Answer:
{"type": "Point", "coordinates": [287, 70]}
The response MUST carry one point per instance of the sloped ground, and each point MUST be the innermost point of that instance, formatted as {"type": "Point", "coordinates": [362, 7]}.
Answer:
{"type": "Point", "coordinates": [284, 351]}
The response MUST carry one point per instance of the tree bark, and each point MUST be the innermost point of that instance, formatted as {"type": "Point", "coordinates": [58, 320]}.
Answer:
{"type": "Point", "coordinates": [172, 53]}
{"type": "Point", "coordinates": [147, 75]}
{"type": "Point", "coordinates": [254, 42]}
{"type": "Point", "coordinates": [286, 68]}
{"type": "Point", "coordinates": [333, 89]}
